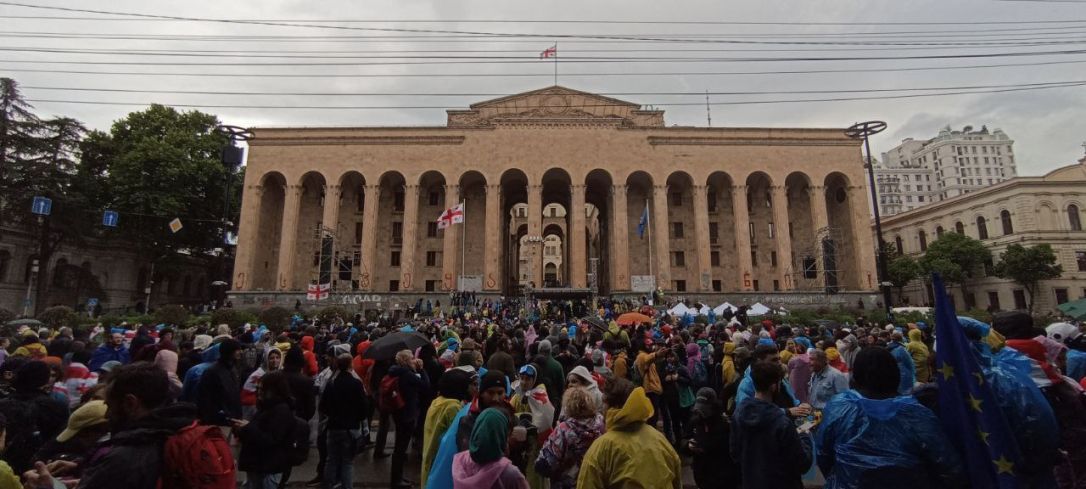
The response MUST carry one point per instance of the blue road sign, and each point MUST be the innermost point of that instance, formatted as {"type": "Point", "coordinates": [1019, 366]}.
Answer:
{"type": "Point", "coordinates": [41, 206]}
{"type": "Point", "coordinates": [109, 218]}
{"type": "Point", "coordinates": [92, 302]}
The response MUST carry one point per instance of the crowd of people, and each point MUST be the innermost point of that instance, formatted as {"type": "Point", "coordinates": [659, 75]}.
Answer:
{"type": "Point", "coordinates": [509, 394]}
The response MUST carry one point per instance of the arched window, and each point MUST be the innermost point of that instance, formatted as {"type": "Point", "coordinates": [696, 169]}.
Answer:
{"type": "Point", "coordinates": [923, 240]}
{"type": "Point", "coordinates": [1005, 218]}
{"type": "Point", "coordinates": [900, 244]}
{"type": "Point", "coordinates": [1074, 218]}
{"type": "Point", "coordinates": [5, 264]}
{"type": "Point", "coordinates": [982, 228]}
{"type": "Point", "coordinates": [60, 274]}
{"type": "Point", "coordinates": [959, 227]}
{"type": "Point", "coordinates": [938, 232]}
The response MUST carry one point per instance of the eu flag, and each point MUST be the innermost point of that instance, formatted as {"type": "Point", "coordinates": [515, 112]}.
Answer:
{"type": "Point", "coordinates": [643, 222]}
{"type": "Point", "coordinates": [967, 408]}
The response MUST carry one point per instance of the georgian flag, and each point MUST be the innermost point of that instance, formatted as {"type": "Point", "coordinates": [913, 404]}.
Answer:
{"type": "Point", "coordinates": [318, 292]}
{"type": "Point", "coordinates": [551, 52]}
{"type": "Point", "coordinates": [455, 215]}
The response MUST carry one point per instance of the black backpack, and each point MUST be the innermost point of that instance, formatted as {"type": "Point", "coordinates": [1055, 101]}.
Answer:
{"type": "Point", "coordinates": [299, 443]}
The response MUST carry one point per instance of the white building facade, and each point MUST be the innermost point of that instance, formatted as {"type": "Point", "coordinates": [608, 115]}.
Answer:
{"type": "Point", "coordinates": [917, 173]}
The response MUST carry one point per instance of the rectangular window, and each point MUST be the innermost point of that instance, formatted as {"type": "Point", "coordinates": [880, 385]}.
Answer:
{"type": "Point", "coordinates": [393, 285]}
{"type": "Point", "coordinates": [1080, 258]}
{"type": "Point", "coordinates": [776, 285]}
{"type": "Point", "coordinates": [714, 258]}
{"type": "Point", "coordinates": [680, 286]}
{"type": "Point", "coordinates": [711, 197]}
{"type": "Point", "coordinates": [993, 300]}
{"type": "Point", "coordinates": [714, 231]}
{"type": "Point", "coordinates": [756, 288]}
{"type": "Point", "coordinates": [431, 258]}
{"type": "Point", "coordinates": [434, 196]}
{"type": "Point", "coordinates": [1020, 299]}
{"type": "Point", "coordinates": [791, 234]}
{"type": "Point", "coordinates": [397, 202]}
{"type": "Point", "coordinates": [676, 230]}
{"type": "Point", "coordinates": [395, 259]}
{"type": "Point", "coordinates": [397, 233]}
{"type": "Point", "coordinates": [676, 199]}
{"type": "Point", "coordinates": [773, 258]}
{"type": "Point", "coordinates": [717, 286]}
{"type": "Point", "coordinates": [678, 259]}
{"type": "Point", "coordinates": [751, 226]}
{"type": "Point", "coordinates": [431, 285]}
{"type": "Point", "coordinates": [431, 230]}
{"type": "Point", "coordinates": [919, 198]}
{"type": "Point", "coordinates": [358, 232]}
{"type": "Point", "coordinates": [754, 258]}
{"type": "Point", "coordinates": [770, 229]}
{"type": "Point", "coordinates": [1061, 296]}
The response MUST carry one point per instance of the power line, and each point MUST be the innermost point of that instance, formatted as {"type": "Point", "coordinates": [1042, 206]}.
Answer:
{"type": "Point", "coordinates": [548, 74]}
{"type": "Point", "coordinates": [1014, 88]}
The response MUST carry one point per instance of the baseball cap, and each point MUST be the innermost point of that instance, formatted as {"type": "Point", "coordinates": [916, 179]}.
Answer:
{"type": "Point", "coordinates": [90, 414]}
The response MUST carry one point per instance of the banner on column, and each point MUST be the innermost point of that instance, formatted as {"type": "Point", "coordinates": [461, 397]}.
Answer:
{"type": "Point", "coordinates": [471, 283]}
{"type": "Point", "coordinates": [642, 283]}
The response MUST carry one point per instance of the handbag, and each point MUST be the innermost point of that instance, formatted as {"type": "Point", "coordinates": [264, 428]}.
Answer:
{"type": "Point", "coordinates": [686, 397]}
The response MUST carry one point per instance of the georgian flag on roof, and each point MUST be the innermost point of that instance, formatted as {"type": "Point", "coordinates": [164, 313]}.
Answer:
{"type": "Point", "coordinates": [551, 52]}
{"type": "Point", "coordinates": [455, 215]}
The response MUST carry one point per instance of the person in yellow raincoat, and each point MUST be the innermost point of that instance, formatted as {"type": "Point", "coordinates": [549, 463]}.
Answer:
{"type": "Point", "coordinates": [456, 387]}
{"type": "Point", "coordinates": [727, 366]}
{"type": "Point", "coordinates": [631, 454]}
{"type": "Point", "coordinates": [919, 351]}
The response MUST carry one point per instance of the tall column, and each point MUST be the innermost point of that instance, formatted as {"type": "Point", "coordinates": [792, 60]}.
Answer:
{"type": "Point", "coordinates": [578, 258]}
{"type": "Point", "coordinates": [492, 279]}
{"type": "Point", "coordinates": [535, 230]}
{"type": "Point", "coordinates": [660, 225]}
{"type": "Point", "coordinates": [330, 215]}
{"type": "Point", "coordinates": [865, 244]}
{"type": "Point", "coordinates": [701, 237]}
{"type": "Point", "coordinates": [742, 238]}
{"type": "Point", "coordinates": [410, 236]}
{"type": "Point", "coordinates": [819, 214]}
{"type": "Point", "coordinates": [287, 241]}
{"type": "Point", "coordinates": [248, 237]}
{"type": "Point", "coordinates": [785, 274]}
{"type": "Point", "coordinates": [450, 254]}
{"type": "Point", "coordinates": [368, 279]}
{"type": "Point", "coordinates": [620, 237]}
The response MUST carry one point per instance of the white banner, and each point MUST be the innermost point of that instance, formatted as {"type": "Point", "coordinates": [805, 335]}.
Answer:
{"type": "Point", "coordinates": [642, 283]}
{"type": "Point", "coordinates": [471, 283]}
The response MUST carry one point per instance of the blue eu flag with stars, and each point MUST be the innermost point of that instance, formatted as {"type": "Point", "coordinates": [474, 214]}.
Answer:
{"type": "Point", "coordinates": [967, 408]}
{"type": "Point", "coordinates": [643, 222]}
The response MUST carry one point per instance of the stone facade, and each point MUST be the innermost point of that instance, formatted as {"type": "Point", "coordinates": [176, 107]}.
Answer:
{"type": "Point", "coordinates": [794, 198]}
{"type": "Point", "coordinates": [1023, 210]}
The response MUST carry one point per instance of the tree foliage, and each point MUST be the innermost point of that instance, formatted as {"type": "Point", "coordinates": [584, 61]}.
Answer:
{"type": "Point", "coordinates": [172, 315]}
{"type": "Point", "coordinates": [1028, 267]}
{"type": "Point", "coordinates": [956, 257]}
{"type": "Point", "coordinates": [235, 318]}
{"type": "Point", "coordinates": [58, 316]}
{"type": "Point", "coordinates": [903, 270]}
{"type": "Point", "coordinates": [275, 318]}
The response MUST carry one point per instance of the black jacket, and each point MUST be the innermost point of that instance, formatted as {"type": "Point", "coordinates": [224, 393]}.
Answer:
{"type": "Point", "coordinates": [60, 346]}
{"type": "Point", "coordinates": [133, 456]}
{"type": "Point", "coordinates": [767, 447]}
{"type": "Point", "coordinates": [304, 391]}
{"type": "Point", "coordinates": [220, 392]}
{"type": "Point", "coordinates": [266, 440]}
{"type": "Point", "coordinates": [28, 413]}
{"type": "Point", "coordinates": [412, 386]}
{"type": "Point", "coordinates": [343, 401]}
{"type": "Point", "coordinates": [713, 468]}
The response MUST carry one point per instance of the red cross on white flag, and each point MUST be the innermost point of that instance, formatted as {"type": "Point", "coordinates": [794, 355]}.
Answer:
{"type": "Point", "coordinates": [455, 215]}
{"type": "Point", "coordinates": [551, 52]}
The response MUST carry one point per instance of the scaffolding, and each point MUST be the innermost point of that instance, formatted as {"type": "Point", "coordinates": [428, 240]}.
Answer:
{"type": "Point", "coordinates": [818, 262]}
{"type": "Point", "coordinates": [330, 263]}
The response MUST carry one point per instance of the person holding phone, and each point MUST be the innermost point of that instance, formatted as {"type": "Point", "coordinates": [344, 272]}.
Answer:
{"type": "Point", "coordinates": [266, 440]}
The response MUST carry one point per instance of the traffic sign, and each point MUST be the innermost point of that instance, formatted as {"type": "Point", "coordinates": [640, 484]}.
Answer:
{"type": "Point", "coordinates": [175, 225]}
{"type": "Point", "coordinates": [42, 206]}
{"type": "Point", "coordinates": [92, 302]}
{"type": "Point", "coordinates": [109, 218]}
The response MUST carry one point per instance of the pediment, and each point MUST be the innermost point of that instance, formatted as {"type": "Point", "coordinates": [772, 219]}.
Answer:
{"type": "Point", "coordinates": [555, 105]}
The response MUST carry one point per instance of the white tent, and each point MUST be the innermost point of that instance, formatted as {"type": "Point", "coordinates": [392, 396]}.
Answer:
{"type": "Point", "coordinates": [758, 309]}
{"type": "Point", "coordinates": [704, 310]}
{"type": "Point", "coordinates": [680, 309]}
{"type": "Point", "coordinates": [719, 310]}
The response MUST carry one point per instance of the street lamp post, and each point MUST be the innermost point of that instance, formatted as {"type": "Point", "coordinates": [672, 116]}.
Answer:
{"type": "Point", "coordinates": [865, 130]}
{"type": "Point", "coordinates": [232, 156]}
{"type": "Point", "coordinates": [30, 286]}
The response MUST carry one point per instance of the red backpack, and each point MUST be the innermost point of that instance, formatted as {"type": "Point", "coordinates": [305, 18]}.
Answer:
{"type": "Point", "coordinates": [198, 457]}
{"type": "Point", "coordinates": [390, 399]}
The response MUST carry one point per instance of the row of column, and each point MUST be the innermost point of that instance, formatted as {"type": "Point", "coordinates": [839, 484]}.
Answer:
{"type": "Point", "coordinates": [493, 245]}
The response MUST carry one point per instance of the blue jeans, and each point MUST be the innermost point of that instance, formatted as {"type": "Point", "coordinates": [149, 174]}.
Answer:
{"type": "Point", "coordinates": [258, 480]}
{"type": "Point", "coordinates": [339, 469]}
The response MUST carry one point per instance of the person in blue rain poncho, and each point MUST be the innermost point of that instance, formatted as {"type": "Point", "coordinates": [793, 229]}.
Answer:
{"type": "Point", "coordinates": [868, 437]}
{"type": "Point", "coordinates": [191, 383]}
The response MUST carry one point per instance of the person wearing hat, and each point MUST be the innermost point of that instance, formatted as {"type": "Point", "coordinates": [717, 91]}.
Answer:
{"type": "Point", "coordinates": [218, 397]}
{"type": "Point", "coordinates": [87, 426]}
{"type": "Point", "coordinates": [32, 347]}
{"type": "Point", "coordinates": [530, 402]}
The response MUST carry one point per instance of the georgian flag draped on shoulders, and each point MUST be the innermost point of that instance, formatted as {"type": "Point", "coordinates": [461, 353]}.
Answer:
{"type": "Point", "coordinates": [454, 215]}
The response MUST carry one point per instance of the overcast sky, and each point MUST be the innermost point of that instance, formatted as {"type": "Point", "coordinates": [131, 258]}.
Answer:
{"type": "Point", "coordinates": [1047, 125]}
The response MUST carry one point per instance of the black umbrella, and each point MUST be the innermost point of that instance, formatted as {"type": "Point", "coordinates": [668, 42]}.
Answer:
{"type": "Point", "coordinates": [387, 346]}
{"type": "Point", "coordinates": [596, 322]}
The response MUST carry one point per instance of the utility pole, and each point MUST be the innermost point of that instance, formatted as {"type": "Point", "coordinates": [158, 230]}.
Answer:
{"type": "Point", "coordinates": [865, 130]}
{"type": "Point", "coordinates": [708, 110]}
{"type": "Point", "coordinates": [232, 156]}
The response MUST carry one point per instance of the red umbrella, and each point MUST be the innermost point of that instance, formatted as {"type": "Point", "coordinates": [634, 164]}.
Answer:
{"type": "Point", "coordinates": [633, 318]}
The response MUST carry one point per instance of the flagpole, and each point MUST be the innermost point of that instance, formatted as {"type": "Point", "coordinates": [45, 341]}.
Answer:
{"type": "Point", "coordinates": [648, 224]}
{"type": "Point", "coordinates": [463, 248]}
{"type": "Point", "coordinates": [556, 64]}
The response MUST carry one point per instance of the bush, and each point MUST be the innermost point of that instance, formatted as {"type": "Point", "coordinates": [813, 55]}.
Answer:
{"type": "Point", "coordinates": [58, 316]}
{"type": "Point", "coordinates": [6, 315]}
{"type": "Point", "coordinates": [235, 318]}
{"type": "Point", "coordinates": [978, 314]}
{"type": "Point", "coordinates": [330, 313]}
{"type": "Point", "coordinates": [195, 320]}
{"type": "Point", "coordinates": [275, 318]}
{"type": "Point", "coordinates": [111, 320]}
{"type": "Point", "coordinates": [172, 315]}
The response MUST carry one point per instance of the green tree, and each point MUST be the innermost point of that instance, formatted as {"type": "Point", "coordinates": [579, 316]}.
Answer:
{"type": "Point", "coordinates": [956, 257]}
{"type": "Point", "coordinates": [903, 270]}
{"type": "Point", "coordinates": [1028, 267]}
{"type": "Point", "coordinates": [172, 315]}
{"type": "Point", "coordinates": [18, 131]}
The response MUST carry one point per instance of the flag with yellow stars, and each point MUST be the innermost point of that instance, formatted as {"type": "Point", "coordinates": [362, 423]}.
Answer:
{"type": "Point", "coordinates": [967, 407]}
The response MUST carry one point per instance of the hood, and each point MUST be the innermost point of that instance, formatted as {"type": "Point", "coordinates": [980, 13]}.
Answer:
{"type": "Point", "coordinates": [881, 410]}
{"type": "Point", "coordinates": [729, 349]}
{"type": "Point", "coordinates": [210, 355]}
{"type": "Point", "coordinates": [756, 414]}
{"type": "Point", "coordinates": [636, 411]}
{"type": "Point", "coordinates": [201, 342]}
{"type": "Point", "coordinates": [166, 360]}
{"type": "Point", "coordinates": [468, 474]}
{"type": "Point", "coordinates": [915, 335]}
{"type": "Point", "coordinates": [307, 343]}
{"type": "Point", "coordinates": [613, 328]}
{"type": "Point", "coordinates": [362, 347]}
{"type": "Point", "coordinates": [583, 373]}
{"type": "Point", "coordinates": [294, 359]}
